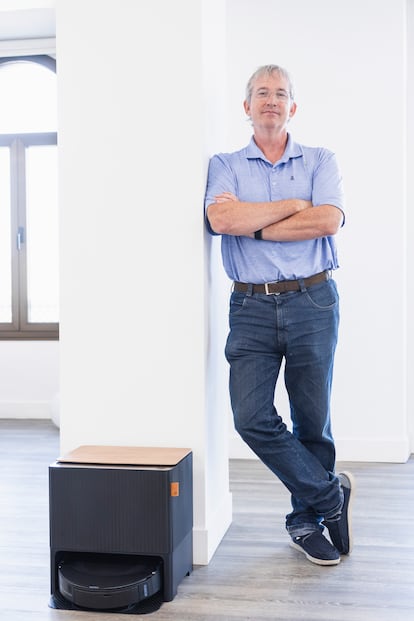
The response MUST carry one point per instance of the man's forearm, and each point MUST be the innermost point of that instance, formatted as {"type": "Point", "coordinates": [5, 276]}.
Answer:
{"type": "Point", "coordinates": [234, 217]}
{"type": "Point", "coordinates": [310, 223]}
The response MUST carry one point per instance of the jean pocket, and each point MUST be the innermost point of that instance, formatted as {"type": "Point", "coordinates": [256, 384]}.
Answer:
{"type": "Point", "coordinates": [237, 301]}
{"type": "Point", "coordinates": [323, 296]}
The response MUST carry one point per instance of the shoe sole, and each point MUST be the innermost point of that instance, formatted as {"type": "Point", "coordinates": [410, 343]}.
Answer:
{"type": "Point", "coordinates": [313, 559]}
{"type": "Point", "coordinates": [351, 480]}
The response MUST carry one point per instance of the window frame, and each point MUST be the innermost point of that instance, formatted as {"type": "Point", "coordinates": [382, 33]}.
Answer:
{"type": "Point", "coordinates": [20, 328]}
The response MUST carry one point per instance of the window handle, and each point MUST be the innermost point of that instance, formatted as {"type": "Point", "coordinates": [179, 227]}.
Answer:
{"type": "Point", "coordinates": [20, 237]}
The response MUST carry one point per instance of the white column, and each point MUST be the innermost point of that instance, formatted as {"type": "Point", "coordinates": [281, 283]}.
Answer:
{"type": "Point", "coordinates": [410, 219]}
{"type": "Point", "coordinates": [134, 304]}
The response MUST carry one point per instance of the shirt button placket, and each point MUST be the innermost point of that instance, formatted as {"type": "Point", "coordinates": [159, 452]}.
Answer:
{"type": "Point", "coordinates": [273, 184]}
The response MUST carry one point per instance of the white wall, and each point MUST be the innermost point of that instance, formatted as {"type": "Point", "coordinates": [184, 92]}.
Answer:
{"type": "Point", "coordinates": [29, 373]}
{"type": "Point", "coordinates": [348, 63]}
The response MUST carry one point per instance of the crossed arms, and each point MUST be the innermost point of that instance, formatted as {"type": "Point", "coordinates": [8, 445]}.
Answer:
{"type": "Point", "coordinates": [292, 219]}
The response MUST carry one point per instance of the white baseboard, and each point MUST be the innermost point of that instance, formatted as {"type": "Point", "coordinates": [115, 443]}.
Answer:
{"type": "Point", "coordinates": [396, 450]}
{"type": "Point", "coordinates": [206, 541]}
{"type": "Point", "coordinates": [29, 409]}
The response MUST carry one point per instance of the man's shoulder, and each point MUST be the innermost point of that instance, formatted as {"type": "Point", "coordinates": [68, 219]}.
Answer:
{"type": "Point", "coordinates": [308, 151]}
{"type": "Point", "coordinates": [232, 155]}
{"type": "Point", "coordinates": [233, 161]}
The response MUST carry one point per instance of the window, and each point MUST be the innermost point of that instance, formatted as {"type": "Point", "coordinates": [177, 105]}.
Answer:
{"type": "Point", "coordinates": [28, 199]}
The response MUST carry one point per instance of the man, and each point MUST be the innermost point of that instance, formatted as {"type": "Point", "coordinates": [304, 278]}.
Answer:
{"type": "Point", "coordinates": [278, 205]}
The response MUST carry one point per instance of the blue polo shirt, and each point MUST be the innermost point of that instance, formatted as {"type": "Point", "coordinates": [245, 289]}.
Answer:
{"type": "Point", "coordinates": [309, 173]}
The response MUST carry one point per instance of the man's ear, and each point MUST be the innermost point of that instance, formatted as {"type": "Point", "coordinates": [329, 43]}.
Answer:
{"type": "Point", "coordinates": [292, 110]}
{"type": "Point", "coordinates": [246, 107]}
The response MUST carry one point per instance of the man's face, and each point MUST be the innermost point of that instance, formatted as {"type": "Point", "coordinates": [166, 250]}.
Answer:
{"type": "Point", "coordinates": [271, 106]}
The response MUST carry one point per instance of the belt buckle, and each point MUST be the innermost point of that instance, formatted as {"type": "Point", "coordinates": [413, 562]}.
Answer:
{"type": "Point", "coordinates": [266, 287]}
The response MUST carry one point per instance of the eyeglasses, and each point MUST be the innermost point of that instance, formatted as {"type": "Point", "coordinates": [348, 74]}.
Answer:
{"type": "Point", "coordinates": [280, 94]}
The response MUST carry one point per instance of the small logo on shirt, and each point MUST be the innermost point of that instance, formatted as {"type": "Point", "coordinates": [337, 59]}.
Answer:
{"type": "Point", "coordinates": [292, 178]}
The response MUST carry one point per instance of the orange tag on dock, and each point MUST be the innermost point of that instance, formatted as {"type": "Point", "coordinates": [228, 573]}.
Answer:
{"type": "Point", "coordinates": [175, 488]}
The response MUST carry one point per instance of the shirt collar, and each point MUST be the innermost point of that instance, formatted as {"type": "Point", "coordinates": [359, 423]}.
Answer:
{"type": "Point", "coordinates": [292, 150]}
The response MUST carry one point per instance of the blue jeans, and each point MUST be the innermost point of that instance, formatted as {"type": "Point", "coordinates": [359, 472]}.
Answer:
{"type": "Point", "coordinates": [300, 327]}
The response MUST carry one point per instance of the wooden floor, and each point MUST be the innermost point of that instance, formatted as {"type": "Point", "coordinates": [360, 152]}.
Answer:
{"type": "Point", "coordinates": [254, 573]}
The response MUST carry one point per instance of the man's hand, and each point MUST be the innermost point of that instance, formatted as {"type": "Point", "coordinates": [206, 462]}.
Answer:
{"type": "Point", "coordinates": [225, 196]}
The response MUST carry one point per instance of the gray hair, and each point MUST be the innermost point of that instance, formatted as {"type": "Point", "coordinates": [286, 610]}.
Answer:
{"type": "Point", "coordinates": [269, 69]}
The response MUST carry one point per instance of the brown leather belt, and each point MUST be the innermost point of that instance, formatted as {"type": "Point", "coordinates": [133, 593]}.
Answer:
{"type": "Point", "coordinates": [281, 286]}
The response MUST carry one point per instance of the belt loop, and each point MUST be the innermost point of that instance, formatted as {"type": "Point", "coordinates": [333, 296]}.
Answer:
{"type": "Point", "coordinates": [249, 289]}
{"type": "Point", "coordinates": [302, 284]}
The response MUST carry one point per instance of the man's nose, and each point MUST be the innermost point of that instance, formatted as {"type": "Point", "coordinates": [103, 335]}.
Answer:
{"type": "Point", "coordinates": [272, 99]}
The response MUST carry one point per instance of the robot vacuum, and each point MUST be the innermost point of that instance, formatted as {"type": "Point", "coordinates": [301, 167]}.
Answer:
{"type": "Point", "coordinates": [108, 581]}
